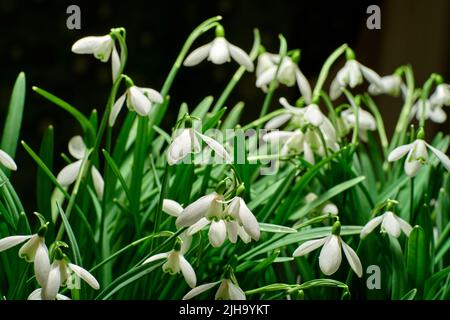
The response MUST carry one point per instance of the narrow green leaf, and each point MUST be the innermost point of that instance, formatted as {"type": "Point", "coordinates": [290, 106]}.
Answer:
{"type": "Point", "coordinates": [72, 238]}
{"type": "Point", "coordinates": [417, 258]}
{"type": "Point", "coordinates": [43, 183]}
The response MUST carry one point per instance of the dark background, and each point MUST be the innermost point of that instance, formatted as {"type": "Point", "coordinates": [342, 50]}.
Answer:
{"type": "Point", "coordinates": [34, 39]}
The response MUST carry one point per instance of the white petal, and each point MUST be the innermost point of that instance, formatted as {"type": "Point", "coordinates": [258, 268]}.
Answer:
{"type": "Point", "coordinates": [335, 89]}
{"type": "Point", "coordinates": [153, 95]}
{"type": "Point", "coordinates": [217, 233]}
{"type": "Point", "coordinates": [232, 231]}
{"type": "Point", "coordinates": [249, 222]}
{"type": "Point", "coordinates": [28, 250]}
{"type": "Point", "coordinates": [241, 57]}
{"type": "Point", "coordinates": [35, 295]}
{"type": "Point", "coordinates": [69, 173]}
{"type": "Point", "coordinates": [275, 137]}
{"type": "Point", "coordinates": [366, 120]}
{"type": "Point", "coordinates": [234, 292]}
{"type": "Point", "coordinates": [188, 272]}
{"type": "Point", "coordinates": [77, 148]}
{"type": "Point", "coordinates": [278, 121]}
{"type": "Point", "coordinates": [308, 153]}
{"type": "Point", "coordinates": [354, 73]}
{"type": "Point", "coordinates": [171, 207]}
{"type": "Point", "coordinates": [62, 297]}
{"type": "Point", "coordinates": [330, 208]}
{"type": "Point", "coordinates": [195, 211]}
{"type": "Point", "coordinates": [330, 256]}
{"type": "Point", "coordinates": [266, 77]}
{"type": "Point", "coordinates": [217, 147]}
{"type": "Point", "coordinates": [219, 52]}
{"type": "Point", "coordinates": [85, 275]}
{"type": "Point", "coordinates": [116, 109]}
{"type": "Point", "coordinates": [88, 45]}
{"type": "Point", "coordinates": [303, 85]}
{"type": "Point", "coordinates": [352, 259]}
{"type": "Point", "coordinates": [182, 145]}
{"type": "Point", "coordinates": [138, 101]}
{"type": "Point", "coordinates": [405, 226]}
{"type": "Point", "coordinates": [399, 152]}
{"type": "Point", "coordinates": [441, 156]}
{"type": "Point", "coordinates": [186, 241]}
{"type": "Point", "coordinates": [196, 56]}
{"type": "Point", "coordinates": [7, 161]}
{"type": "Point", "coordinates": [372, 224]}
{"type": "Point", "coordinates": [200, 289]}
{"type": "Point", "coordinates": [371, 75]}
{"type": "Point", "coordinates": [41, 264]}
{"type": "Point", "coordinates": [99, 184]}
{"type": "Point", "coordinates": [53, 282]}
{"type": "Point", "coordinates": [115, 64]}
{"type": "Point", "coordinates": [313, 115]}
{"type": "Point", "coordinates": [12, 241]}
{"type": "Point", "coordinates": [156, 257]}
{"type": "Point", "coordinates": [437, 114]}
{"type": "Point", "coordinates": [390, 224]}
{"type": "Point", "coordinates": [411, 166]}
{"type": "Point", "coordinates": [309, 246]}
{"type": "Point", "coordinates": [199, 225]}
{"type": "Point", "coordinates": [243, 235]}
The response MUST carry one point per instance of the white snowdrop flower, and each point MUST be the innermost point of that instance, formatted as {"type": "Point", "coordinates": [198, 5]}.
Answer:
{"type": "Point", "coordinates": [266, 61]}
{"type": "Point", "coordinates": [331, 256]}
{"type": "Point", "coordinates": [390, 85]}
{"type": "Point", "coordinates": [366, 122]}
{"type": "Point", "coordinates": [441, 96]}
{"type": "Point", "coordinates": [206, 205]}
{"type": "Point", "coordinates": [176, 262]}
{"type": "Point", "coordinates": [69, 173]}
{"type": "Point", "coordinates": [433, 112]}
{"type": "Point", "coordinates": [238, 212]}
{"type": "Point", "coordinates": [390, 224]}
{"type": "Point", "coordinates": [7, 161]}
{"type": "Point", "coordinates": [34, 250]}
{"type": "Point", "coordinates": [228, 290]}
{"type": "Point", "coordinates": [417, 155]}
{"type": "Point", "coordinates": [138, 99]}
{"type": "Point", "coordinates": [39, 294]}
{"type": "Point", "coordinates": [326, 208]}
{"type": "Point", "coordinates": [188, 141]}
{"type": "Point", "coordinates": [219, 51]}
{"type": "Point", "coordinates": [289, 74]}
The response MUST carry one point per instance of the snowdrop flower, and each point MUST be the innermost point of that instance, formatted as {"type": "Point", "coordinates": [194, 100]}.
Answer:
{"type": "Point", "coordinates": [417, 155]}
{"type": "Point", "coordinates": [7, 161]}
{"type": "Point", "coordinates": [366, 121]}
{"type": "Point", "coordinates": [138, 99]}
{"type": "Point", "coordinates": [102, 47]}
{"type": "Point", "coordinates": [441, 96]}
{"type": "Point", "coordinates": [187, 141]}
{"type": "Point", "coordinates": [434, 105]}
{"type": "Point", "coordinates": [326, 208]}
{"type": "Point", "coordinates": [227, 290]}
{"type": "Point", "coordinates": [390, 224]}
{"type": "Point", "coordinates": [331, 256]}
{"type": "Point", "coordinates": [288, 74]}
{"type": "Point", "coordinates": [266, 61]}
{"type": "Point", "coordinates": [34, 250]}
{"type": "Point", "coordinates": [69, 173]}
{"type": "Point", "coordinates": [176, 262]}
{"type": "Point", "coordinates": [219, 51]}
{"type": "Point", "coordinates": [390, 85]}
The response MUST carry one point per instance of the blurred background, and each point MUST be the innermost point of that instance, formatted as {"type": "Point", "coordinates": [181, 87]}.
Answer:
{"type": "Point", "coordinates": [35, 39]}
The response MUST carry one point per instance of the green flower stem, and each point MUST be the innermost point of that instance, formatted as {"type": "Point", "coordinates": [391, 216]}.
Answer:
{"type": "Point", "coordinates": [326, 69]}
{"type": "Point", "coordinates": [238, 74]}
{"type": "Point", "coordinates": [380, 124]}
{"type": "Point", "coordinates": [356, 107]}
{"type": "Point", "coordinates": [424, 96]}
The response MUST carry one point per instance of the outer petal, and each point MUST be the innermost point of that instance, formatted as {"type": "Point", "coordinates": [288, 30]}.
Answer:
{"type": "Point", "coordinates": [441, 156]}
{"type": "Point", "coordinates": [42, 264]}
{"type": "Point", "coordinates": [390, 224]}
{"type": "Point", "coordinates": [278, 121]}
{"type": "Point", "coordinates": [188, 272]}
{"type": "Point", "coordinates": [274, 137]}
{"type": "Point", "coordinates": [156, 257]}
{"type": "Point", "coordinates": [62, 297]}
{"type": "Point", "coordinates": [116, 109]}
{"type": "Point", "coordinates": [405, 226]}
{"type": "Point", "coordinates": [266, 77]}
{"type": "Point", "coordinates": [69, 173]}
{"type": "Point", "coordinates": [85, 275]}
{"type": "Point", "coordinates": [241, 57]}
{"type": "Point", "coordinates": [198, 55]}
{"type": "Point", "coordinates": [77, 148]}
{"type": "Point", "coordinates": [352, 259]}
{"type": "Point", "coordinates": [330, 256]}
{"type": "Point", "coordinates": [97, 179]}
{"type": "Point", "coordinates": [309, 246]}
{"type": "Point", "coordinates": [399, 152]}
{"type": "Point", "coordinates": [217, 233]}
{"type": "Point", "coordinates": [249, 222]}
{"type": "Point", "coordinates": [372, 224]}
{"type": "Point", "coordinates": [139, 102]}
{"type": "Point", "coordinates": [28, 250]}
{"type": "Point", "coordinates": [12, 241]}
{"type": "Point", "coordinates": [182, 145]}
{"type": "Point", "coordinates": [200, 289]}
{"type": "Point", "coordinates": [303, 85]}
{"type": "Point", "coordinates": [115, 64]}
{"type": "Point", "coordinates": [171, 207]}
{"type": "Point", "coordinates": [153, 95]}
{"type": "Point", "coordinates": [371, 76]}
{"type": "Point", "coordinates": [219, 52]}
{"type": "Point", "coordinates": [88, 45]}
{"type": "Point", "coordinates": [234, 292]}
{"type": "Point", "coordinates": [313, 115]}
{"type": "Point", "coordinates": [35, 295]}
{"type": "Point", "coordinates": [195, 211]}
{"type": "Point", "coordinates": [354, 73]}
{"type": "Point", "coordinates": [437, 114]}
{"type": "Point", "coordinates": [411, 165]}
{"type": "Point", "coordinates": [7, 161]}
{"type": "Point", "coordinates": [217, 147]}
{"type": "Point", "coordinates": [335, 89]}
{"type": "Point", "coordinates": [199, 225]}
{"type": "Point", "coordinates": [232, 231]}
{"type": "Point", "coordinates": [53, 282]}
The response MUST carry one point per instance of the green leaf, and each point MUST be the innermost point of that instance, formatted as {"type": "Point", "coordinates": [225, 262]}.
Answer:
{"type": "Point", "coordinates": [43, 183]}
{"type": "Point", "coordinates": [398, 279]}
{"type": "Point", "coordinates": [212, 121]}
{"type": "Point", "coordinates": [417, 257]}
{"type": "Point", "coordinates": [117, 173]}
{"type": "Point", "coordinates": [13, 122]}
{"type": "Point", "coordinates": [273, 228]}
{"type": "Point", "coordinates": [72, 238]}
{"type": "Point", "coordinates": [327, 195]}
{"type": "Point", "coordinates": [410, 295]}
{"type": "Point", "coordinates": [202, 109]}
{"type": "Point", "coordinates": [233, 117]}
{"type": "Point", "coordinates": [432, 284]}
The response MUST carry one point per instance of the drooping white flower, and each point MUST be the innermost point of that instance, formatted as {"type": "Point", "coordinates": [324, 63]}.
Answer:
{"type": "Point", "coordinates": [227, 291]}
{"type": "Point", "coordinates": [219, 51]}
{"type": "Point", "coordinates": [390, 85]}
{"type": "Point", "coordinates": [390, 224]}
{"type": "Point", "coordinates": [102, 47]}
{"type": "Point", "coordinates": [188, 142]}
{"type": "Point", "coordinates": [7, 161]}
{"type": "Point", "coordinates": [417, 155]}
{"type": "Point", "coordinates": [330, 257]}
{"type": "Point", "coordinates": [289, 74]}
{"type": "Point", "coordinates": [353, 74]}
{"type": "Point", "coordinates": [34, 250]}
{"type": "Point", "coordinates": [266, 61]}
{"type": "Point", "coordinates": [138, 99]}
{"type": "Point", "coordinates": [176, 262]}
{"type": "Point", "coordinates": [441, 95]}
{"type": "Point", "coordinates": [433, 106]}
{"type": "Point", "coordinates": [69, 173]}
{"type": "Point", "coordinates": [326, 208]}
{"type": "Point", "coordinates": [366, 121]}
